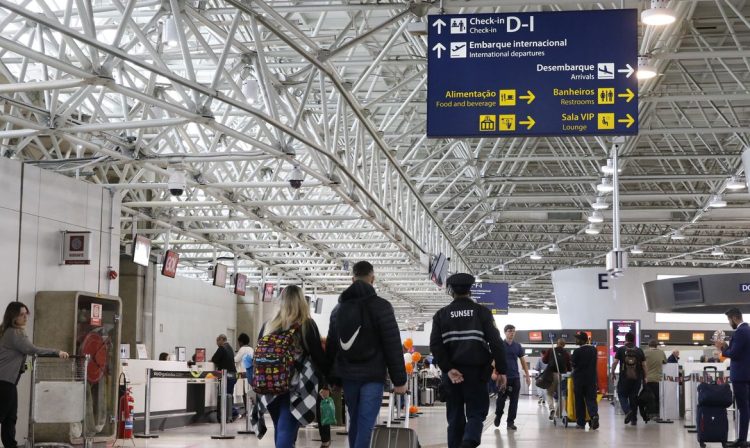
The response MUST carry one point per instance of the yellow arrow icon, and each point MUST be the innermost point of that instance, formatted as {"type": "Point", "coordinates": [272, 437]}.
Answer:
{"type": "Point", "coordinates": [628, 95]}
{"type": "Point", "coordinates": [529, 122]}
{"type": "Point", "coordinates": [529, 97]}
{"type": "Point", "coordinates": [629, 120]}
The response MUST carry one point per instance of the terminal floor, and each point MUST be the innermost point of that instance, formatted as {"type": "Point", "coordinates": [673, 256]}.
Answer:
{"type": "Point", "coordinates": [534, 430]}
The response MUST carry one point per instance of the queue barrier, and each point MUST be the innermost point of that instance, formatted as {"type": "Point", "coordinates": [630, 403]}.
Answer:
{"type": "Point", "coordinates": [189, 375]}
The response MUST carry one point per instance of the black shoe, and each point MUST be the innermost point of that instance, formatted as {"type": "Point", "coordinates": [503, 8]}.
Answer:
{"type": "Point", "coordinates": [627, 419]}
{"type": "Point", "coordinates": [511, 426]}
{"type": "Point", "coordinates": [633, 421]}
{"type": "Point", "coordinates": [594, 423]}
{"type": "Point", "coordinates": [497, 420]}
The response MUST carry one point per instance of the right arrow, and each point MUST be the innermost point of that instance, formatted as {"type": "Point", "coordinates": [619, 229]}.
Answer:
{"type": "Point", "coordinates": [629, 95]}
{"type": "Point", "coordinates": [440, 48]}
{"type": "Point", "coordinates": [529, 97]}
{"type": "Point", "coordinates": [439, 24]}
{"type": "Point", "coordinates": [629, 120]}
{"type": "Point", "coordinates": [629, 70]}
{"type": "Point", "coordinates": [529, 122]}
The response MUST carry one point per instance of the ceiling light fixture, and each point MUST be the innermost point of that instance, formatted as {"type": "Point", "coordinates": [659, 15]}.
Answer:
{"type": "Point", "coordinates": [600, 204]}
{"type": "Point", "coordinates": [609, 168]}
{"type": "Point", "coordinates": [606, 186]}
{"type": "Point", "coordinates": [659, 14]}
{"type": "Point", "coordinates": [645, 69]}
{"type": "Point", "coordinates": [734, 183]}
{"type": "Point", "coordinates": [545, 308]}
{"type": "Point", "coordinates": [636, 250]}
{"type": "Point", "coordinates": [512, 289]}
{"type": "Point", "coordinates": [592, 229]}
{"type": "Point", "coordinates": [596, 217]}
{"type": "Point", "coordinates": [677, 235]}
{"type": "Point", "coordinates": [717, 201]}
{"type": "Point", "coordinates": [525, 298]}
{"type": "Point", "coordinates": [535, 256]}
{"type": "Point", "coordinates": [717, 252]}
{"type": "Point", "coordinates": [170, 32]}
{"type": "Point", "coordinates": [250, 89]}
{"type": "Point", "coordinates": [554, 248]}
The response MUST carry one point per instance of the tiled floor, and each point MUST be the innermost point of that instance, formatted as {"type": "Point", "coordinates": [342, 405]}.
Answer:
{"type": "Point", "coordinates": [534, 430]}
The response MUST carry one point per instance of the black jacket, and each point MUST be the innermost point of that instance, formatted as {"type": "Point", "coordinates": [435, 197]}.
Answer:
{"type": "Point", "coordinates": [464, 334]}
{"type": "Point", "coordinates": [224, 358]}
{"type": "Point", "coordinates": [584, 364]}
{"type": "Point", "coordinates": [389, 356]}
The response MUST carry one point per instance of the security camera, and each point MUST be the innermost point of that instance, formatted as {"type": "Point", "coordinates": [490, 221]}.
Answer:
{"type": "Point", "coordinates": [176, 183]}
{"type": "Point", "coordinates": [296, 178]}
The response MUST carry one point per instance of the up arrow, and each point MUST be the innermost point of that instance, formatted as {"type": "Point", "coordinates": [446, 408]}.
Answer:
{"type": "Point", "coordinates": [529, 97]}
{"type": "Point", "coordinates": [439, 24]}
{"type": "Point", "coordinates": [440, 48]}
{"type": "Point", "coordinates": [628, 95]}
{"type": "Point", "coordinates": [629, 70]}
{"type": "Point", "coordinates": [529, 122]}
{"type": "Point", "coordinates": [628, 120]}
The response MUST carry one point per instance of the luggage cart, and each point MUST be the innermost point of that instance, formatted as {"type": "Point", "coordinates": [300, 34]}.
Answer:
{"type": "Point", "coordinates": [560, 410]}
{"type": "Point", "coordinates": [58, 395]}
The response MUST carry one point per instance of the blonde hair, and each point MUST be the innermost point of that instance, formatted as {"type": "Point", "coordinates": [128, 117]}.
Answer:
{"type": "Point", "coordinates": [293, 309]}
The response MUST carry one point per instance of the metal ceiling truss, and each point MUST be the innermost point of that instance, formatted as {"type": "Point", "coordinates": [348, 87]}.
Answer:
{"type": "Point", "coordinates": [245, 91]}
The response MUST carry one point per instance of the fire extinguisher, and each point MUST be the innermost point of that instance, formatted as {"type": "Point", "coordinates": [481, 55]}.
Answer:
{"type": "Point", "coordinates": [127, 403]}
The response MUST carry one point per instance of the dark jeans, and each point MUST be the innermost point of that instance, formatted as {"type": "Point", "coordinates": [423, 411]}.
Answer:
{"type": "Point", "coordinates": [512, 391]}
{"type": "Point", "coordinates": [363, 401]}
{"type": "Point", "coordinates": [466, 408]}
{"type": "Point", "coordinates": [8, 413]}
{"type": "Point", "coordinates": [285, 426]}
{"type": "Point", "coordinates": [585, 398]}
{"type": "Point", "coordinates": [654, 386]}
{"type": "Point", "coordinates": [629, 389]}
{"type": "Point", "coordinates": [742, 399]}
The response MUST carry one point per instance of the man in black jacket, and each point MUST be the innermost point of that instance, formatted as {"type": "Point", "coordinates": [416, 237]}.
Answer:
{"type": "Point", "coordinates": [585, 382]}
{"type": "Point", "coordinates": [465, 341]}
{"type": "Point", "coordinates": [223, 359]}
{"type": "Point", "coordinates": [364, 345]}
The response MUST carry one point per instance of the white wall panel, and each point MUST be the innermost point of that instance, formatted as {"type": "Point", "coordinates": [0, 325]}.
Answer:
{"type": "Point", "coordinates": [10, 175]}
{"type": "Point", "coordinates": [9, 251]}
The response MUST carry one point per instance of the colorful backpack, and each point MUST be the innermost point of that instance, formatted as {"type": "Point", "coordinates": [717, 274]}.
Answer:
{"type": "Point", "coordinates": [273, 363]}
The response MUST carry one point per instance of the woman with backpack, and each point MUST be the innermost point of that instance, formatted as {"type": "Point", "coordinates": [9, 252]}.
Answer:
{"type": "Point", "coordinates": [289, 365]}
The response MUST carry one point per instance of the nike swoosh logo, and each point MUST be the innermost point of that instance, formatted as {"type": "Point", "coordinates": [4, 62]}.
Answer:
{"type": "Point", "coordinates": [348, 344]}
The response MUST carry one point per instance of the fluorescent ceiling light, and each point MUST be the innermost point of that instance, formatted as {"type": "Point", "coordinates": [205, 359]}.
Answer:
{"type": "Point", "coordinates": [250, 89]}
{"type": "Point", "coordinates": [717, 201]}
{"type": "Point", "coordinates": [606, 186]}
{"type": "Point", "coordinates": [535, 256]}
{"type": "Point", "coordinates": [512, 289]}
{"type": "Point", "coordinates": [170, 32]}
{"type": "Point", "coordinates": [636, 250]}
{"type": "Point", "coordinates": [735, 184]}
{"type": "Point", "coordinates": [645, 69]}
{"type": "Point", "coordinates": [600, 204]}
{"type": "Point", "coordinates": [525, 298]}
{"type": "Point", "coordinates": [596, 217]}
{"type": "Point", "coordinates": [677, 235]}
{"type": "Point", "coordinates": [592, 229]}
{"type": "Point", "coordinates": [545, 307]}
{"type": "Point", "coordinates": [717, 252]}
{"type": "Point", "coordinates": [525, 305]}
{"type": "Point", "coordinates": [554, 248]}
{"type": "Point", "coordinates": [659, 14]}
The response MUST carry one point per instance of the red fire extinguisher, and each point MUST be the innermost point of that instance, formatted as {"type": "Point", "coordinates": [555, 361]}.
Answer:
{"type": "Point", "coordinates": [127, 403]}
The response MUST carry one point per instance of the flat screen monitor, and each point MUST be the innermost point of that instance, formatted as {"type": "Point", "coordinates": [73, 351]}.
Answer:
{"type": "Point", "coordinates": [169, 268]}
{"type": "Point", "coordinates": [319, 305]}
{"type": "Point", "coordinates": [141, 250]}
{"type": "Point", "coordinates": [220, 275]}
{"type": "Point", "coordinates": [439, 270]}
{"type": "Point", "coordinates": [688, 292]}
{"type": "Point", "coordinates": [268, 292]}
{"type": "Point", "coordinates": [240, 284]}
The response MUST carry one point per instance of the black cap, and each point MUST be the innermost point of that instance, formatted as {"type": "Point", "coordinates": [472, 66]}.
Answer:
{"type": "Point", "coordinates": [460, 279]}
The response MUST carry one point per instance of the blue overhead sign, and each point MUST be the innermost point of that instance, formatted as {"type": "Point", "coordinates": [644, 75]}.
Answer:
{"type": "Point", "coordinates": [526, 74]}
{"type": "Point", "coordinates": [492, 295]}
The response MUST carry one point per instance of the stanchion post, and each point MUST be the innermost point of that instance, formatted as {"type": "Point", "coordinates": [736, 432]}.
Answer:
{"type": "Point", "coordinates": [146, 434]}
{"type": "Point", "coordinates": [223, 407]}
{"type": "Point", "coordinates": [248, 410]}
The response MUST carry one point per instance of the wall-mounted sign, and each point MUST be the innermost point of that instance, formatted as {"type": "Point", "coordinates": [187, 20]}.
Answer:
{"type": "Point", "coordinates": [662, 336]}
{"type": "Point", "coordinates": [141, 250]}
{"type": "Point", "coordinates": [169, 267]}
{"type": "Point", "coordinates": [76, 248]}
{"type": "Point", "coordinates": [537, 73]}
{"type": "Point", "coordinates": [492, 295]}
{"type": "Point", "coordinates": [699, 337]}
{"type": "Point", "coordinates": [535, 336]}
{"type": "Point", "coordinates": [240, 284]}
{"type": "Point", "coordinates": [220, 275]}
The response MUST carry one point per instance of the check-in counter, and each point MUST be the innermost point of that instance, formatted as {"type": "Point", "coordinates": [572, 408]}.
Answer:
{"type": "Point", "coordinates": [174, 401]}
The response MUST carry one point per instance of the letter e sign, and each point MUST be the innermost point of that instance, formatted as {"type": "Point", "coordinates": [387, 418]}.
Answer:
{"type": "Point", "coordinates": [603, 281]}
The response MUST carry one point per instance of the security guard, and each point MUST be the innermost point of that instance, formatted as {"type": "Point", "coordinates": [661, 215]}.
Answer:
{"type": "Point", "coordinates": [464, 342]}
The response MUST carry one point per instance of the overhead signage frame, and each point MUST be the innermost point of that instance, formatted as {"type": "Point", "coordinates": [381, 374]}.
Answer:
{"type": "Point", "coordinates": [533, 74]}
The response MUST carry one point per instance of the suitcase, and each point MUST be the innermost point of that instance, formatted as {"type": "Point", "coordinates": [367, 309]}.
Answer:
{"type": "Point", "coordinates": [389, 437]}
{"type": "Point", "coordinates": [712, 425]}
{"type": "Point", "coordinates": [427, 397]}
{"type": "Point", "coordinates": [647, 404]}
{"type": "Point", "coordinates": [714, 395]}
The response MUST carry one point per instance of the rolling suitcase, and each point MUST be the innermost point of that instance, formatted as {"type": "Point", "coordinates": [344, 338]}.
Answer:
{"type": "Point", "coordinates": [389, 437]}
{"type": "Point", "coordinates": [427, 397]}
{"type": "Point", "coordinates": [711, 422]}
